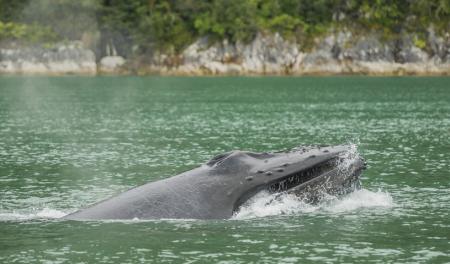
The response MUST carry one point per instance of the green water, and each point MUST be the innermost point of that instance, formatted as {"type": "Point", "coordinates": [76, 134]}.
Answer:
{"type": "Point", "coordinates": [68, 142]}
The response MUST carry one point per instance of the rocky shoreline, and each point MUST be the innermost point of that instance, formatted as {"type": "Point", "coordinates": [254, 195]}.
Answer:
{"type": "Point", "coordinates": [342, 52]}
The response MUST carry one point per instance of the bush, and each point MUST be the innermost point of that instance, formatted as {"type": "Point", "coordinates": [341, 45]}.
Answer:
{"type": "Point", "coordinates": [234, 20]}
{"type": "Point", "coordinates": [31, 34]}
{"type": "Point", "coordinates": [145, 26]}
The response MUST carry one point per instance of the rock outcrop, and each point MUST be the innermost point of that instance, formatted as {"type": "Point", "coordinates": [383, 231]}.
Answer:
{"type": "Point", "coordinates": [339, 52]}
{"type": "Point", "coordinates": [344, 53]}
{"type": "Point", "coordinates": [266, 54]}
{"type": "Point", "coordinates": [61, 59]}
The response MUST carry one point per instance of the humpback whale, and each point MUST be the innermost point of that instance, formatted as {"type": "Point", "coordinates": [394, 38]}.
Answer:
{"type": "Point", "coordinates": [216, 189]}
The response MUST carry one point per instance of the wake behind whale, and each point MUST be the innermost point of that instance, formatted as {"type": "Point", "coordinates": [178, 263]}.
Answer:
{"type": "Point", "coordinates": [217, 189]}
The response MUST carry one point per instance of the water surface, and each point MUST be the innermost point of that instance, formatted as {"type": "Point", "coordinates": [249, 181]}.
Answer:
{"type": "Point", "coordinates": [68, 142]}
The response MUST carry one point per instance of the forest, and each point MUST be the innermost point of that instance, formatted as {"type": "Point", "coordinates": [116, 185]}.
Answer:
{"type": "Point", "coordinates": [144, 26]}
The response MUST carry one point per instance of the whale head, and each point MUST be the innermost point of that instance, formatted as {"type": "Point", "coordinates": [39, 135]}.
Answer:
{"type": "Point", "coordinates": [305, 171]}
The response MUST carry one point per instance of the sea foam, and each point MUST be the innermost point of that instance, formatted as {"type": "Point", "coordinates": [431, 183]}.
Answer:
{"type": "Point", "coordinates": [265, 204]}
{"type": "Point", "coordinates": [45, 213]}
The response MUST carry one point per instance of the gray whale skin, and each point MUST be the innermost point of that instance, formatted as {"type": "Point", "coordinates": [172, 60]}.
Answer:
{"type": "Point", "coordinates": [215, 190]}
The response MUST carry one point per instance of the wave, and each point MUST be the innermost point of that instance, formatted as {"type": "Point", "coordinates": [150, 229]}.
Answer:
{"type": "Point", "coordinates": [265, 204]}
{"type": "Point", "coordinates": [45, 213]}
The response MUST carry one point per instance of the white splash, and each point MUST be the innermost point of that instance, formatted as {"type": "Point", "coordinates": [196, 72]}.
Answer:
{"type": "Point", "coordinates": [360, 199]}
{"type": "Point", "coordinates": [45, 213]}
{"type": "Point", "coordinates": [349, 158]}
{"type": "Point", "coordinates": [265, 204]}
{"type": "Point", "coordinates": [50, 213]}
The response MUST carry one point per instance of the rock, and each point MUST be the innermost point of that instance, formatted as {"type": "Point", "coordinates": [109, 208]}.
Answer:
{"type": "Point", "coordinates": [338, 52]}
{"type": "Point", "coordinates": [439, 45]}
{"type": "Point", "coordinates": [318, 57]}
{"type": "Point", "coordinates": [265, 54]}
{"type": "Point", "coordinates": [413, 54]}
{"type": "Point", "coordinates": [69, 58]}
{"type": "Point", "coordinates": [368, 49]}
{"type": "Point", "coordinates": [325, 58]}
{"type": "Point", "coordinates": [408, 52]}
{"type": "Point", "coordinates": [111, 63]}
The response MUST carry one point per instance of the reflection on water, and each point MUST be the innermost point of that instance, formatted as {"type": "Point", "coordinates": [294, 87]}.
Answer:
{"type": "Point", "coordinates": [66, 143]}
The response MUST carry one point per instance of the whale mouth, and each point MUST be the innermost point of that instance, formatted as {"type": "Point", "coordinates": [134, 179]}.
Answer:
{"type": "Point", "coordinates": [300, 177]}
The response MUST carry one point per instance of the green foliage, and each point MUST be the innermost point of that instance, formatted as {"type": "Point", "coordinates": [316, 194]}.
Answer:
{"type": "Point", "coordinates": [68, 18]}
{"type": "Point", "coordinates": [163, 28]}
{"type": "Point", "coordinates": [228, 19]}
{"type": "Point", "coordinates": [10, 10]}
{"type": "Point", "coordinates": [145, 26]}
{"type": "Point", "coordinates": [420, 43]}
{"type": "Point", "coordinates": [32, 34]}
{"type": "Point", "coordinates": [286, 25]}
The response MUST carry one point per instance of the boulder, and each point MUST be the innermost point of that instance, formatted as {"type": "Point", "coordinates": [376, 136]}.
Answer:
{"type": "Point", "coordinates": [111, 63]}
